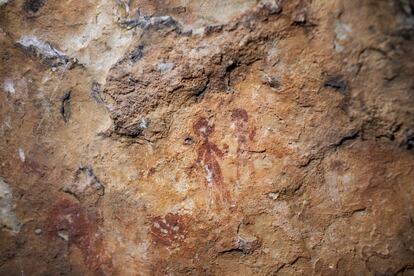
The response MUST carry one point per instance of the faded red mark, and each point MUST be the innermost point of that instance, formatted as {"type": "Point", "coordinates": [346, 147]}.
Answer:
{"type": "Point", "coordinates": [339, 166]}
{"type": "Point", "coordinates": [208, 153]}
{"type": "Point", "coordinates": [252, 134]}
{"type": "Point", "coordinates": [170, 230]}
{"type": "Point", "coordinates": [240, 118]}
{"type": "Point", "coordinates": [32, 167]}
{"type": "Point", "coordinates": [82, 228]}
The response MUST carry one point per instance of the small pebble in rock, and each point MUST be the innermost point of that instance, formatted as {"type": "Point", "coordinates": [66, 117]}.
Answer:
{"type": "Point", "coordinates": [271, 81]}
{"type": "Point", "coordinates": [38, 231]}
{"type": "Point", "coordinates": [63, 235]}
{"type": "Point", "coordinates": [188, 141]}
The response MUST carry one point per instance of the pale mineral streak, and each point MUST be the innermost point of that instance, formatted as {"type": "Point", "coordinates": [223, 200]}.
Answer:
{"type": "Point", "coordinates": [8, 219]}
{"type": "Point", "coordinates": [8, 86]}
{"type": "Point", "coordinates": [22, 155]}
{"type": "Point", "coordinates": [43, 50]}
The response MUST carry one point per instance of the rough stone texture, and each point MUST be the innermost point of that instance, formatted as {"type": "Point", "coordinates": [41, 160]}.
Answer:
{"type": "Point", "coordinates": [207, 137]}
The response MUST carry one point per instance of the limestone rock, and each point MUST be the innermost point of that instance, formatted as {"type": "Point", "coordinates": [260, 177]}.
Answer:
{"type": "Point", "coordinates": [216, 137]}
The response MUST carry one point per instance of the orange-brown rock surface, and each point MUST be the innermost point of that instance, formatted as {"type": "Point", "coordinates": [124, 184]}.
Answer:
{"type": "Point", "coordinates": [176, 137]}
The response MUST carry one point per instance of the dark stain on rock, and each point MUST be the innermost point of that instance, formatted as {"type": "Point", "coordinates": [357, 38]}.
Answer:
{"type": "Point", "coordinates": [33, 6]}
{"type": "Point", "coordinates": [336, 83]}
{"type": "Point", "coordinates": [80, 227]}
{"type": "Point", "coordinates": [96, 91]}
{"type": "Point", "coordinates": [200, 90]}
{"type": "Point", "coordinates": [213, 29]}
{"type": "Point", "coordinates": [230, 69]}
{"type": "Point", "coordinates": [65, 109]}
{"type": "Point", "coordinates": [170, 230]}
{"type": "Point", "coordinates": [409, 142]}
{"type": "Point", "coordinates": [407, 7]}
{"type": "Point", "coordinates": [208, 153]}
{"type": "Point", "coordinates": [136, 54]}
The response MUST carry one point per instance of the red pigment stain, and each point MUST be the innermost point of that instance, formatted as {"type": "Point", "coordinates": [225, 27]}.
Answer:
{"type": "Point", "coordinates": [240, 118]}
{"type": "Point", "coordinates": [239, 114]}
{"type": "Point", "coordinates": [31, 167]}
{"type": "Point", "coordinates": [170, 230]}
{"type": "Point", "coordinates": [208, 153]}
{"type": "Point", "coordinates": [82, 226]}
{"type": "Point", "coordinates": [252, 134]}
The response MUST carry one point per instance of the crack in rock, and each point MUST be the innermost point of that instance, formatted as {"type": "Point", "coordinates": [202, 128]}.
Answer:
{"type": "Point", "coordinates": [44, 51]}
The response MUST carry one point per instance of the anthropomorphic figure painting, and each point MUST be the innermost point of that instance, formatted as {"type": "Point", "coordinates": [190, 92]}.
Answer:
{"type": "Point", "coordinates": [208, 155]}
{"type": "Point", "coordinates": [243, 134]}
{"type": "Point", "coordinates": [80, 226]}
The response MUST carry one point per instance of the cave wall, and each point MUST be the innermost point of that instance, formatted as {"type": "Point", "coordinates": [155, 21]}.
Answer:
{"type": "Point", "coordinates": [214, 137]}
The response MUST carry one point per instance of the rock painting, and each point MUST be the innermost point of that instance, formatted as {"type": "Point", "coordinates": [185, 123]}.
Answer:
{"type": "Point", "coordinates": [79, 226]}
{"type": "Point", "coordinates": [208, 155]}
{"type": "Point", "coordinates": [170, 230]}
{"type": "Point", "coordinates": [243, 134]}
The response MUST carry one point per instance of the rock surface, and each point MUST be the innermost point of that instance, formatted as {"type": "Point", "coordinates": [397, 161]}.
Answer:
{"type": "Point", "coordinates": [214, 137]}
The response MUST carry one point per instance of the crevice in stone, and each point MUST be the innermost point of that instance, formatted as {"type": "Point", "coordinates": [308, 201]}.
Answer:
{"type": "Point", "coordinates": [33, 6]}
{"type": "Point", "coordinates": [350, 137]}
{"type": "Point", "coordinates": [65, 106]}
{"type": "Point", "coordinates": [335, 82]}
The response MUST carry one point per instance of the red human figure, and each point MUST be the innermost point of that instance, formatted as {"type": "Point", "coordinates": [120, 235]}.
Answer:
{"type": "Point", "coordinates": [240, 118]}
{"type": "Point", "coordinates": [208, 153]}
